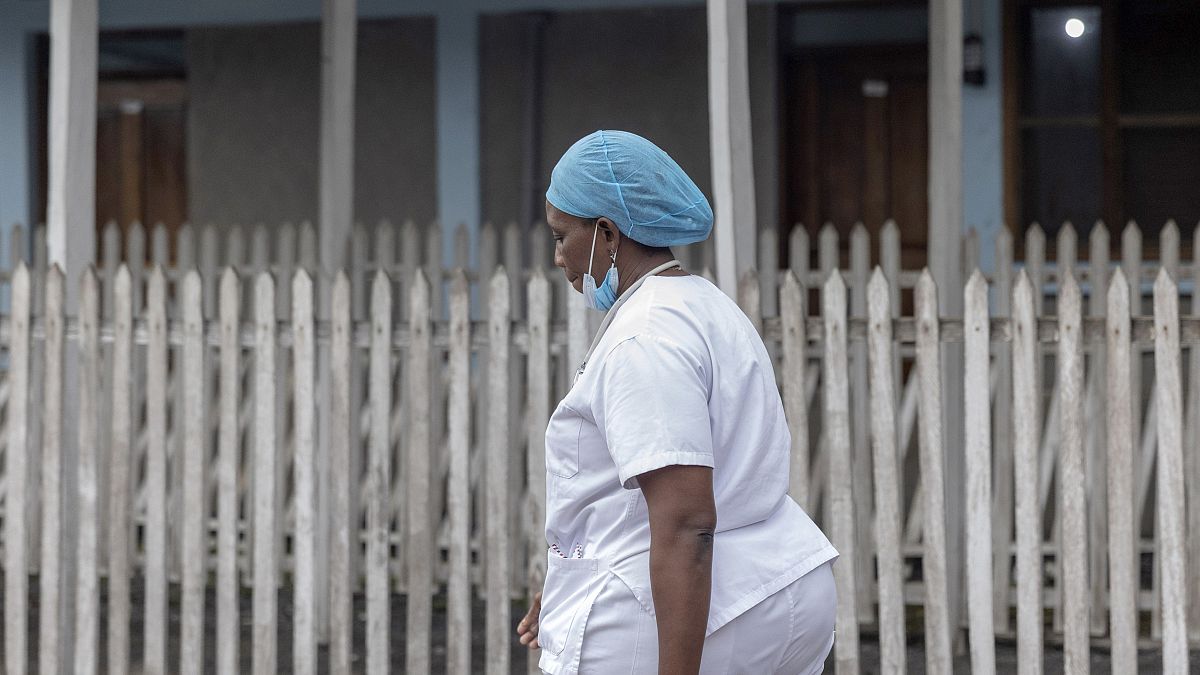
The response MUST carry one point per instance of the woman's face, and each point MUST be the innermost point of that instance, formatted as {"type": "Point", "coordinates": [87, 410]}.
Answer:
{"type": "Point", "coordinates": [573, 245]}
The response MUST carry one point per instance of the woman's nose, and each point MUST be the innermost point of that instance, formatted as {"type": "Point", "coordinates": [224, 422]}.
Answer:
{"type": "Point", "coordinates": [559, 261]}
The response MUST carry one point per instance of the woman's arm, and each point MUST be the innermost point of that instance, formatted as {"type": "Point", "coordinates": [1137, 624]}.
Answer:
{"type": "Point", "coordinates": [683, 519]}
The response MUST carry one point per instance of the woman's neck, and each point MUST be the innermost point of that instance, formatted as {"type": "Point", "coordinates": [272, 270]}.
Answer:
{"type": "Point", "coordinates": [640, 267]}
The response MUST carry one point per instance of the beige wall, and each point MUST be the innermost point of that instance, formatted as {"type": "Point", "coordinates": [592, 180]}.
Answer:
{"type": "Point", "coordinates": [253, 125]}
{"type": "Point", "coordinates": [644, 71]}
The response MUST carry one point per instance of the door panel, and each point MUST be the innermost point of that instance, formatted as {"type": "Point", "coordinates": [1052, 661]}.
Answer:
{"type": "Point", "coordinates": [856, 147]}
{"type": "Point", "coordinates": [140, 160]}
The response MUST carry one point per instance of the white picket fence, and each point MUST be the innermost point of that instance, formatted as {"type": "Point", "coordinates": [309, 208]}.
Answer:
{"type": "Point", "coordinates": [205, 453]}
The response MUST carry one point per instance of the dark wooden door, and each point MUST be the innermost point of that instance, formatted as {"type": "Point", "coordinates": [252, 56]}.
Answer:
{"type": "Point", "coordinates": [141, 167]}
{"type": "Point", "coordinates": [856, 142]}
{"type": "Point", "coordinates": [141, 162]}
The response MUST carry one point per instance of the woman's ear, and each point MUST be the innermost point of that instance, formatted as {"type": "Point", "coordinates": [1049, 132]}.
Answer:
{"type": "Point", "coordinates": [610, 232]}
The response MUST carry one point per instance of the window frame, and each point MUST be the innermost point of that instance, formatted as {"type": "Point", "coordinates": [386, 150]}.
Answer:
{"type": "Point", "coordinates": [1110, 121]}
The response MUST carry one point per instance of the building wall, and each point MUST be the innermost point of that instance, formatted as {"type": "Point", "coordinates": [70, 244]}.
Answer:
{"type": "Point", "coordinates": [983, 137]}
{"type": "Point", "coordinates": [644, 71]}
{"type": "Point", "coordinates": [254, 122]}
{"type": "Point", "coordinates": [413, 110]}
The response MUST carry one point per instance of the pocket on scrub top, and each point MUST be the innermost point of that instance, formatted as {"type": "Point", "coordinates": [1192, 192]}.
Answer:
{"type": "Point", "coordinates": [570, 588]}
{"type": "Point", "coordinates": [562, 442]}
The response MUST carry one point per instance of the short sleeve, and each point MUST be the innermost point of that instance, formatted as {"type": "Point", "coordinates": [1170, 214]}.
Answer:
{"type": "Point", "coordinates": [652, 406]}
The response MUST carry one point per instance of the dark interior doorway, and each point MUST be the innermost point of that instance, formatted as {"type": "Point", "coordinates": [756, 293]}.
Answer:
{"type": "Point", "coordinates": [856, 141]}
{"type": "Point", "coordinates": [141, 132]}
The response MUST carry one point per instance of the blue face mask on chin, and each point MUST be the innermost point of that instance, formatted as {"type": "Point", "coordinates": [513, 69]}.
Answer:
{"type": "Point", "coordinates": [601, 298]}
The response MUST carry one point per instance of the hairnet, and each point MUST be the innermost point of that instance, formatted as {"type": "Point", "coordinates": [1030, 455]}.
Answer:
{"type": "Point", "coordinates": [630, 180]}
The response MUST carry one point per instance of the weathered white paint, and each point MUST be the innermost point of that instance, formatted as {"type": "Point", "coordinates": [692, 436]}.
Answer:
{"type": "Point", "coordinates": [342, 467]}
{"type": "Point", "coordinates": [860, 448]}
{"type": "Point", "coordinates": [50, 577]}
{"type": "Point", "coordinates": [1122, 569]}
{"type": "Point", "coordinates": [194, 514]}
{"type": "Point", "coordinates": [793, 306]}
{"type": "Point", "coordinates": [538, 376]}
{"type": "Point", "coordinates": [1002, 530]}
{"type": "Point", "coordinates": [120, 477]}
{"type": "Point", "coordinates": [228, 431]}
{"type": "Point", "coordinates": [458, 592]}
{"type": "Point", "coordinates": [86, 548]}
{"type": "Point", "coordinates": [420, 550]}
{"type": "Point", "coordinates": [1027, 422]}
{"type": "Point", "coordinates": [378, 473]}
{"type": "Point", "coordinates": [887, 479]}
{"type": "Point", "coordinates": [1170, 492]}
{"type": "Point", "coordinates": [304, 376]}
{"type": "Point", "coordinates": [497, 626]}
{"type": "Point", "coordinates": [938, 658]}
{"type": "Point", "coordinates": [1096, 454]}
{"type": "Point", "coordinates": [841, 502]}
{"type": "Point", "coordinates": [266, 564]}
{"type": "Point", "coordinates": [729, 135]}
{"type": "Point", "coordinates": [1073, 567]}
{"type": "Point", "coordinates": [978, 428]}
{"type": "Point", "coordinates": [155, 640]}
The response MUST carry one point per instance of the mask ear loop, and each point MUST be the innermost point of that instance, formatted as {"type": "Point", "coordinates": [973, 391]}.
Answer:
{"type": "Point", "coordinates": [592, 255]}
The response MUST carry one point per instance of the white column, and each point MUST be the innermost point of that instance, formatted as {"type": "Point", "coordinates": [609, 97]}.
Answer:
{"type": "Point", "coordinates": [338, 37]}
{"type": "Point", "coordinates": [729, 134]}
{"type": "Point", "coordinates": [458, 125]}
{"type": "Point", "coordinates": [945, 252]}
{"type": "Point", "coordinates": [71, 199]}
{"type": "Point", "coordinates": [70, 224]}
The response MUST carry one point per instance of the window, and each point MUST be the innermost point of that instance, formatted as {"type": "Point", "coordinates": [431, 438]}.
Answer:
{"type": "Point", "coordinates": [1102, 113]}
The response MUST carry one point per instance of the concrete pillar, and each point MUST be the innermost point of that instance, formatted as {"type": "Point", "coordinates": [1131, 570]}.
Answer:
{"type": "Point", "coordinates": [945, 253]}
{"type": "Point", "coordinates": [339, 23]}
{"type": "Point", "coordinates": [458, 126]}
{"type": "Point", "coordinates": [71, 229]}
{"type": "Point", "coordinates": [729, 131]}
{"type": "Point", "coordinates": [339, 37]}
{"type": "Point", "coordinates": [71, 199]}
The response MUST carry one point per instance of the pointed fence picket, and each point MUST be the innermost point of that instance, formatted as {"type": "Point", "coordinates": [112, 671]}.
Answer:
{"type": "Point", "coordinates": [203, 390]}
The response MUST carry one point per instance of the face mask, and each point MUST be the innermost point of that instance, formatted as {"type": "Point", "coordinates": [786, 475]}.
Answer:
{"type": "Point", "coordinates": [601, 298]}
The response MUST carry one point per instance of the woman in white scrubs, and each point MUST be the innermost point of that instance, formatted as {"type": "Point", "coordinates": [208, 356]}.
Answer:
{"type": "Point", "coordinates": [673, 545]}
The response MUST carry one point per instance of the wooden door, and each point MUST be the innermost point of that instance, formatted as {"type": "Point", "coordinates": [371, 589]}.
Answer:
{"type": "Point", "coordinates": [141, 162]}
{"type": "Point", "coordinates": [856, 142]}
{"type": "Point", "coordinates": [141, 167]}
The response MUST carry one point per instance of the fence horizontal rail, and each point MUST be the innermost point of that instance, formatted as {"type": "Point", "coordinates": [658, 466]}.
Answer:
{"type": "Point", "coordinates": [904, 331]}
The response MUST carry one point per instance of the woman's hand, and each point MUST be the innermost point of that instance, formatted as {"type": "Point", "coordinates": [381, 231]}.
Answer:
{"type": "Point", "coordinates": [527, 630]}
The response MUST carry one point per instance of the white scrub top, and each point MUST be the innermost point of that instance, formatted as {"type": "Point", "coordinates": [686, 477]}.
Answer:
{"type": "Point", "coordinates": [679, 378]}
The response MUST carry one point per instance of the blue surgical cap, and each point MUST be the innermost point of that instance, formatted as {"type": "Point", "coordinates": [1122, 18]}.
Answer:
{"type": "Point", "coordinates": [630, 180]}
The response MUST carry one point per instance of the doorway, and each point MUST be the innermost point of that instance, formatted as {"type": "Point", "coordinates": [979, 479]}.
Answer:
{"type": "Point", "coordinates": [141, 133]}
{"type": "Point", "coordinates": [857, 142]}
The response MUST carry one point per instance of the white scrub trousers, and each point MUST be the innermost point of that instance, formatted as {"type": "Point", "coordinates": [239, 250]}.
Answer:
{"type": "Point", "coordinates": [788, 633]}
